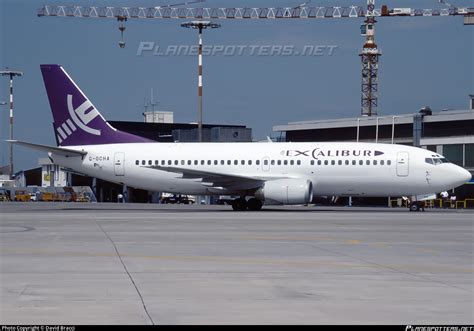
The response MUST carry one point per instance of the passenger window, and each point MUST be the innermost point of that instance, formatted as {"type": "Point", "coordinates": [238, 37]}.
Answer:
{"type": "Point", "coordinates": [279, 162]}
{"type": "Point", "coordinates": [149, 162]}
{"type": "Point", "coordinates": [354, 162]}
{"type": "Point", "coordinates": [265, 162]}
{"type": "Point", "coordinates": [333, 162]}
{"type": "Point", "coordinates": [182, 162]}
{"type": "Point", "coordinates": [339, 162]}
{"type": "Point", "coordinates": [209, 162]}
{"type": "Point", "coordinates": [273, 162]}
{"type": "Point", "coordinates": [382, 162]}
{"type": "Point", "coordinates": [236, 162]}
{"type": "Point", "coordinates": [319, 162]}
{"type": "Point", "coordinates": [157, 162]}
{"type": "Point", "coordinates": [285, 162]}
{"type": "Point", "coordinates": [292, 162]}
{"type": "Point", "coordinates": [326, 162]}
{"type": "Point", "coordinates": [250, 162]}
{"type": "Point", "coordinates": [222, 162]}
{"type": "Point", "coordinates": [312, 162]}
{"type": "Point", "coordinates": [169, 162]}
{"type": "Point", "coordinates": [375, 162]}
{"type": "Point", "coordinates": [203, 162]}
{"type": "Point", "coordinates": [347, 162]}
{"type": "Point", "coordinates": [298, 162]}
{"type": "Point", "coordinates": [229, 162]}
{"type": "Point", "coordinates": [429, 160]}
{"type": "Point", "coordinates": [137, 162]}
{"type": "Point", "coordinates": [257, 162]}
{"type": "Point", "coordinates": [216, 162]}
{"type": "Point", "coordinates": [361, 162]}
{"type": "Point", "coordinates": [175, 162]}
{"type": "Point", "coordinates": [242, 162]}
{"type": "Point", "coordinates": [367, 162]}
{"type": "Point", "coordinates": [189, 162]}
{"type": "Point", "coordinates": [389, 162]}
{"type": "Point", "coordinates": [196, 162]}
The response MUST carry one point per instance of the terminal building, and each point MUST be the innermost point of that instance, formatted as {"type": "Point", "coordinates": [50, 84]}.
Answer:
{"type": "Point", "coordinates": [449, 133]}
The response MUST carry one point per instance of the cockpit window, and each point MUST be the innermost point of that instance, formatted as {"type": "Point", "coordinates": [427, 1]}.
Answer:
{"type": "Point", "coordinates": [436, 161]}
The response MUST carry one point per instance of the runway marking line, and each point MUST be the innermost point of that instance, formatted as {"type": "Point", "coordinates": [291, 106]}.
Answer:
{"type": "Point", "coordinates": [353, 242]}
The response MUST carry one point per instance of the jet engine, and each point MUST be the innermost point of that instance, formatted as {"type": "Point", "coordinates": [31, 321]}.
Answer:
{"type": "Point", "coordinates": [286, 191]}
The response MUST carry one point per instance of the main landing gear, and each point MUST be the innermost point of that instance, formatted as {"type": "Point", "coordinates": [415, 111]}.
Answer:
{"type": "Point", "coordinates": [252, 204]}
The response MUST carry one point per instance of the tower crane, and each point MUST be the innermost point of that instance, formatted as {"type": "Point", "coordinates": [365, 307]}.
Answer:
{"type": "Point", "coordinates": [370, 63]}
{"type": "Point", "coordinates": [369, 55]}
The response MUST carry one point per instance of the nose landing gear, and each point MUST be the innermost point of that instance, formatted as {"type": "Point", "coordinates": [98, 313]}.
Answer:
{"type": "Point", "coordinates": [417, 206]}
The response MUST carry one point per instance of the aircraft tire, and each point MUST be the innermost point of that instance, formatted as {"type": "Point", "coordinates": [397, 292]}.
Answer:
{"type": "Point", "coordinates": [254, 204]}
{"type": "Point", "coordinates": [239, 205]}
{"type": "Point", "coordinates": [414, 207]}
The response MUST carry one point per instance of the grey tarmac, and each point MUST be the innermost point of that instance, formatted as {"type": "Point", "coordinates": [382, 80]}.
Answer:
{"type": "Point", "coordinates": [173, 264]}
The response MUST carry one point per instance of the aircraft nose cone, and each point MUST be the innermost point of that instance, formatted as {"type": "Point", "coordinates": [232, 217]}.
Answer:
{"type": "Point", "coordinates": [466, 175]}
{"type": "Point", "coordinates": [461, 175]}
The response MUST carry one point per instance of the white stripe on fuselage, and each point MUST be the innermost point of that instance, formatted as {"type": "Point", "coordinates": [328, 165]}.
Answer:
{"type": "Point", "coordinates": [381, 179]}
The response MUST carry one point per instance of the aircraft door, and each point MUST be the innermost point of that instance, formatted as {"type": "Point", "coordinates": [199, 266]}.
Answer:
{"type": "Point", "coordinates": [119, 164]}
{"type": "Point", "coordinates": [403, 162]}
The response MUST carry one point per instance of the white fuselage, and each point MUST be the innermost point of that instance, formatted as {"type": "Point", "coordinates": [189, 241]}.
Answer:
{"type": "Point", "coordinates": [336, 169]}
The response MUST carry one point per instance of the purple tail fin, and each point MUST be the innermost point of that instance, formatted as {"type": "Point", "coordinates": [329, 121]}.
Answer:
{"type": "Point", "coordinates": [76, 120]}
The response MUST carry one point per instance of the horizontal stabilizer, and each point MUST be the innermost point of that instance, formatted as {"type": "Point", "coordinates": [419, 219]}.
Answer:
{"type": "Point", "coordinates": [45, 148]}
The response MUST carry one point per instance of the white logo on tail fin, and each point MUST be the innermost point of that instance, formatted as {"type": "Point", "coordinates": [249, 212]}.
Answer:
{"type": "Point", "coordinates": [65, 130]}
{"type": "Point", "coordinates": [80, 117]}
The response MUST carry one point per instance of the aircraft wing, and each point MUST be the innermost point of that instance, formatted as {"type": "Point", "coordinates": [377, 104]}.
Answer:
{"type": "Point", "coordinates": [215, 179]}
{"type": "Point", "coordinates": [45, 148]}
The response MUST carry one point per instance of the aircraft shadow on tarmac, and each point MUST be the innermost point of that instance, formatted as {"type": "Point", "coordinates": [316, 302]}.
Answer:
{"type": "Point", "coordinates": [200, 210]}
{"type": "Point", "coordinates": [15, 228]}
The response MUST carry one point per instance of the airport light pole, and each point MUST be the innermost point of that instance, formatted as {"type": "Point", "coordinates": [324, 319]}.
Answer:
{"type": "Point", "coordinates": [11, 74]}
{"type": "Point", "coordinates": [200, 25]}
{"type": "Point", "coordinates": [2, 103]}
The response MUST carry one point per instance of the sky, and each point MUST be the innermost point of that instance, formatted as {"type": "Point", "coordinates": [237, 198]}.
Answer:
{"type": "Point", "coordinates": [425, 61]}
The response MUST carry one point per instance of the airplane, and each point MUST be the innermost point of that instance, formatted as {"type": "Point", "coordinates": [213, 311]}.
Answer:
{"type": "Point", "coordinates": [259, 173]}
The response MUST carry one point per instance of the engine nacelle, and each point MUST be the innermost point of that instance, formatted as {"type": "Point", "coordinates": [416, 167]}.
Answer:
{"type": "Point", "coordinates": [287, 191]}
